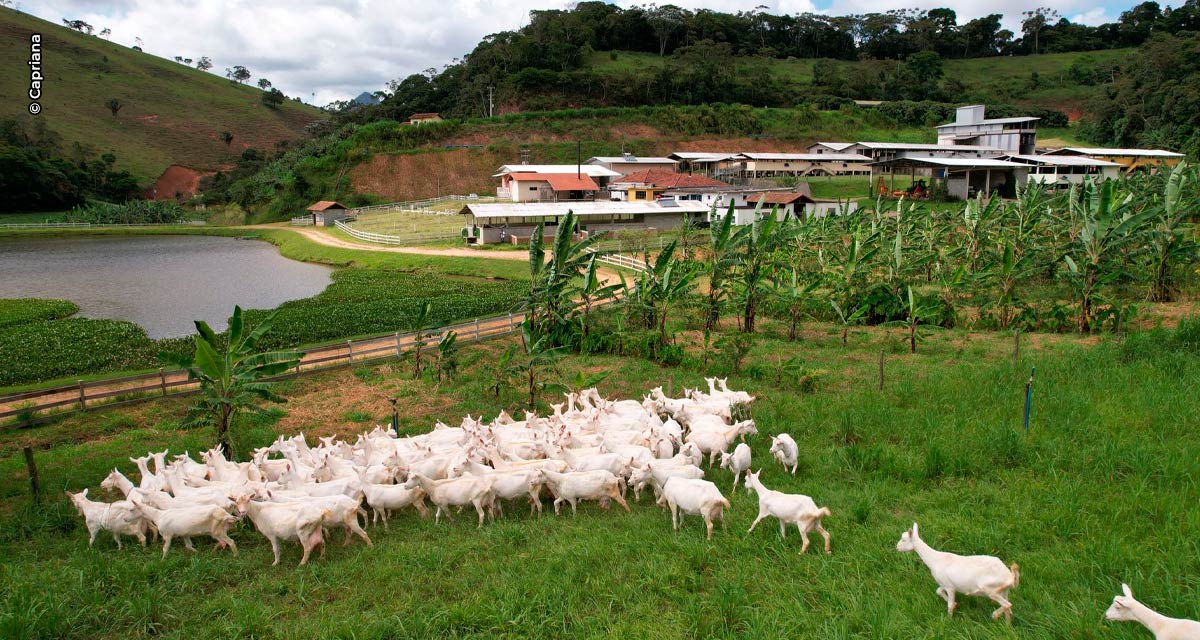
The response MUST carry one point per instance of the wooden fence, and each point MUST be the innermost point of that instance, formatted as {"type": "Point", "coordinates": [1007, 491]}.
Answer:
{"type": "Point", "coordinates": [23, 409]}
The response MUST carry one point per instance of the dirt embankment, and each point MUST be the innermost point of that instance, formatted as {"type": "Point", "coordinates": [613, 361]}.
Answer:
{"type": "Point", "coordinates": [176, 182]}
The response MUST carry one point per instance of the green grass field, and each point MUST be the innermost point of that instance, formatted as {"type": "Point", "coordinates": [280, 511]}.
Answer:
{"type": "Point", "coordinates": [172, 114]}
{"type": "Point", "coordinates": [1100, 490]}
{"type": "Point", "coordinates": [408, 223]}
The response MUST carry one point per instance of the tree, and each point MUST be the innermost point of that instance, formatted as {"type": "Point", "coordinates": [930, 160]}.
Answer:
{"type": "Point", "coordinates": [232, 375]}
{"type": "Point", "coordinates": [105, 33]}
{"type": "Point", "coordinates": [447, 357]}
{"type": "Point", "coordinates": [237, 73]}
{"type": "Point", "coordinates": [1103, 226]}
{"type": "Point", "coordinates": [227, 138]}
{"type": "Point", "coordinates": [204, 63]}
{"type": "Point", "coordinates": [273, 98]}
{"type": "Point", "coordinates": [79, 25]}
{"type": "Point", "coordinates": [550, 302]}
{"type": "Point", "coordinates": [538, 355]}
{"type": "Point", "coordinates": [1170, 242]}
{"type": "Point", "coordinates": [264, 84]}
{"type": "Point", "coordinates": [663, 284]}
{"type": "Point", "coordinates": [114, 106]}
{"type": "Point", "coordinates": [591, 291]}
{"type": "Point", "coordinates": [666, 21]}
{"type": "Point", "coordinates": [791, 297]}
{"type": "Point", "coordinates": [419, 326]}
{"type": "Point", "coordinates": [1035, 21]}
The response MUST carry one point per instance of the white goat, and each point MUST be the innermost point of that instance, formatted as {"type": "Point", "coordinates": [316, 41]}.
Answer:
{"type": "Point", "coordinates": [188, 522]}
{"type": "Point", "coordinates": [118, 518]}
{"type": "Point", "coordinates": [455, 492]}
{"type": "Point", "coordinates": [737, 462]}
{"type": "Point", "coordinates": [789, 508]}
{"type": "Point", "coordinates": [969, 575]}
{"type": "Point", "coordinates": [656, 474]}
{"type": "Point", "coordinates": [277, 521]}
{"type": "Point", "coordinates": [785, 450]}
{"type": "Point", "coordinates": [696, 497]}
{"type": "Point", "coordinates": [581, 485]}
{"type": "Point", "coordinates": [1125, 608]}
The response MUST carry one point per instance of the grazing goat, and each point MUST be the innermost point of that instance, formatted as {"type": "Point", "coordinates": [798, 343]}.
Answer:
{"type": "Point", "coordinates": [1125, 608]}
{"type": "Point", "coordinates": [969, 575]}
{"type": "Point", "coordinates": [784, 448]}
{"type": "Point", "coordinates": [789, 509]}
{"type": "Point", "coordinates": [118, 518]}
{"type": "Point", "coordinates": [737, 462]}
{"type": "Point", "coordinates": [697, 497]}
{"type": "Point", "coordinates": [656, 474]}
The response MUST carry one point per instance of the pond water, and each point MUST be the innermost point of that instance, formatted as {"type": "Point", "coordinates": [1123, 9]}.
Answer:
{"type": "Point", "coordinates": [161, 283]}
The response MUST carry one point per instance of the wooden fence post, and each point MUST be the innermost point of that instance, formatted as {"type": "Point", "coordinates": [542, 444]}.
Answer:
{"type": "Point", "coordinates": [510, 321]}
{"type": "Point", "coordinates": [34, 485]}
{"type": "Point", "coordinates": [881, 369]}
{"type": "Point", "coordinates": [398, 351]}
{"type": "Point", "coordinates": [477, 328]}
{"type": "Point", "coordinates": [349, 351]}
{"type": "Point", "coordinates": [162, 381]}
{"type": "Point", "coordinates": [82, 398]}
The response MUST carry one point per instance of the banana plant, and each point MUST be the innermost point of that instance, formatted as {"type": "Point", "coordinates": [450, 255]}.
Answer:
{"type": "Point", "coordinates": [591, 291]}
{"type": "Point", "coordinates": [550, 301]}
{"type": "Point", "coordinates": [664, 284]}
{"type": "Point", "coordinates": [721, 259]}
{"type": "Point", "coordinates": [1170, 242]}
{"type": "Point", "coordinates": [760, 245]}
{"type": "Point", "coordinates": [791, 297]}
{"type": "Point", "coordinates": [1004, 277]}
{"type": "Point", "coordinates": [848, 320]}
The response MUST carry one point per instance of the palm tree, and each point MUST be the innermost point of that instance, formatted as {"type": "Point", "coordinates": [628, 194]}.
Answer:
{"type": "Point", "coordinates": [550, 300]}
{"type": "Point", "coordinates": [232, 377]}
{"type": "Point", "coordinates": [664, 284]}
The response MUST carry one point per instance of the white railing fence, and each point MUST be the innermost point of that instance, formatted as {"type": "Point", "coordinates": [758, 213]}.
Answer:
{"type": "Point", "coordinates": [412, 238]}
{"type": "Point", "coordinates": [90, 225]}
{"type": "Point", "coordinates": [427, 205]}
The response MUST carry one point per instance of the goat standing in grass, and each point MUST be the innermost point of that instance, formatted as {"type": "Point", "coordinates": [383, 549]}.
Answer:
{"type": "Point", "coordinates": [1125, 608]}
{"type": "Point", "coordinates": [969, 575]}
{"type": "Point", "coordinates": [789, 508]}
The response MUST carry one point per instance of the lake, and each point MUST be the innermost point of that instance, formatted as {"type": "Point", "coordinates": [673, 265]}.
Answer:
{"type": "Point", "coordinates": [161, 283]}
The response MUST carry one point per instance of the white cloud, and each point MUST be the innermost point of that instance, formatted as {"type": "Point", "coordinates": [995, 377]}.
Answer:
{"type": "Point", "coordinates": [322, 50]}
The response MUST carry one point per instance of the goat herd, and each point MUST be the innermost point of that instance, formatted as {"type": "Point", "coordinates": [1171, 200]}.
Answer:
{"type": "Point", "coordinates": [590, 449]}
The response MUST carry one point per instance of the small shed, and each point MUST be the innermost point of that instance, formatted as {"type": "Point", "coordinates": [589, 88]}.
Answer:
{"type": "Point", "coordinates": [424, 118]}
{"type": "Point", "coordinates": [326, 212]}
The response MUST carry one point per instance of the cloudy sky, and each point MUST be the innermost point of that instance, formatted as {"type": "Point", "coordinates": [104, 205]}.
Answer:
{"type": "Point", "coordinates": [325, 50]}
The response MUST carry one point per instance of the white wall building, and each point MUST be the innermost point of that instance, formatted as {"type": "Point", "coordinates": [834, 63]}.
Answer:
{"type": "Point", "coordinates": [970, 127]}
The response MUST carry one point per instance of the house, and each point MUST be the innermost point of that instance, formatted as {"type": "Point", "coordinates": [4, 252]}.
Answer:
{"type": "Point", "coordinates": [652, 184]}
{"type": "Point", "coordinates": [424, 118]}
{"type": "Point", "coordinates": [829, 147]}
{"type": "Point", "coordinates": [766, 165]}
{"type": "Point", "coordinates": [629, 163]}
{"type": "Point", "coordinates": [511, 222]}
{"type": "Point", "coordinates": [703, 162]}
{"type": "Point", "coordinates": [326, 212]}
{"type": "Point", "coordinates": [800, 204]}
{"type": "Point", "coordinates": [1130, 159]}
{"type": "Point", "coordinates": [964, 177]}
{"type": "Point", "coordinates": [553, 182]}
{"type": "Point", "coordinates": [1059, 171]}
{"type": "Point", "coordinates": [970, 127]}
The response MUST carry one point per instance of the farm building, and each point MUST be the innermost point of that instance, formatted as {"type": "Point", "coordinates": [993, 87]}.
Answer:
{"type": "Point", "coordinates": [702, 162]}
{"type": "Point", "coordinates": [652, 184]}
{"type": "Point", "coordinates": [799, 203]}
{"type": "Point", "coordinates": [970, 127]}
{"type": "Point", "coordinates": [515, 222]}
{"type": "Point", "coordinates": [829, 147]}
{"type": "Point", "coordinates": [767, 165]}
{"type": "Point", "coordinates": [1065, 170]}
{"type": "Point", "coordinates": [629, 163]}
{"type": "Point", "coordinates": [424, 118]}
{"type": "Point", "coordinates": [326, 212]}
{"type": "Point", "coordinates": [552, 182]}
{"type": "Point", "coordinates": [1130, 159]}
{"type": "Point", "coordinates": [880, 151]}
{"type": "Point", "coordinates": [964, 177]}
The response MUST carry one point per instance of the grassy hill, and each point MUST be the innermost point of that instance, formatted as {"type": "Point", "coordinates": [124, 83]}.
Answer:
{"type": "Point", "coordinates": [997, 79]}
{"type": "Point", "coordinates": [173, 114]}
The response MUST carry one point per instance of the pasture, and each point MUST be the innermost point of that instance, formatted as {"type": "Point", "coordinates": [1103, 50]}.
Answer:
{"type": "Point", "coordinates": [1100, 490]}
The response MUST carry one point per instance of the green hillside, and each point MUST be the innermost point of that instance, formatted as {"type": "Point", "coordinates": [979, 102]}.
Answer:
{"type": "Point", "coordinates": [1002, 79]}
{"type": "Point", "coordinates": [172, 114]}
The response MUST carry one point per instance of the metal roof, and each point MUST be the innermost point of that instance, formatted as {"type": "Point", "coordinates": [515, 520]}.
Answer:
{"type": "Point", "coordinates": [836, 146]}
{"type": "Point", "coordinates": [969, 163]}
{"type": "Point", "coordinates": [809, 157]}
{"type": "Point", "coordinates": [593, 170]}
{"type": "Point", "coordinates": [560, 181]}
{"type": "Point", "coordinates": [709, 156]}
{"type": "Point", "coordinates": [926, 146]}
{"type": "Point", "coordinates": [1096, 151]}
{"type": "Point", "coordinates": [583, 208]}
{"type": "Point", "coordinates": [629, 160]}
{"type": "Point", "coordinates": [1064, 161]}
{"type": "Point", "coordinates": [991, 121]}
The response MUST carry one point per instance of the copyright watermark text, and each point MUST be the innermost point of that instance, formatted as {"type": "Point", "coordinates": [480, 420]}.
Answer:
{"type": "Point", "coordinates": [35, 73]}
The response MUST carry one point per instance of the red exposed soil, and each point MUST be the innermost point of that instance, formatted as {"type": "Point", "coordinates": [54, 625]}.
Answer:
{"type": "Point", "coordinates": [176, 182]}
{"type": "Point", "coordinates": [416, 176]}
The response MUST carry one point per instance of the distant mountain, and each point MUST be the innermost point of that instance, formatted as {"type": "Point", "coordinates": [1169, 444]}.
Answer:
{"type": "Point", "coordinates": [170, 113]}
{"type": "Point", "coordinates": [365, 97]}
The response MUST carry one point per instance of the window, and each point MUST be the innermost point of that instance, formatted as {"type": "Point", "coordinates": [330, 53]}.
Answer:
{"type": "Point", "coordinates": [533, 188]}
{"type": "Point", "coordinates": [640, 195]}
